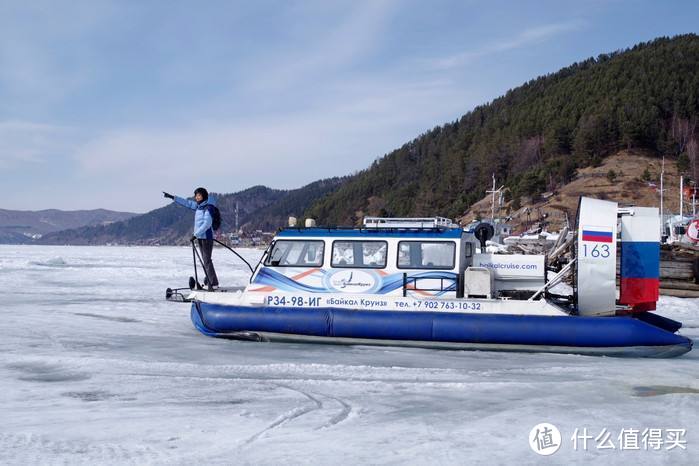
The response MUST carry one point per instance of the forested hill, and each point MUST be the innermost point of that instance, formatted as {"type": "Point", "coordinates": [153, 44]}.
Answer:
{"type": "Point", "coordinates": [535, 136]}
{"type": "Point", "coordinates": [259, 207]}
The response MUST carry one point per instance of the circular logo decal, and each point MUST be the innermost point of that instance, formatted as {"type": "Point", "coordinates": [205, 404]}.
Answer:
{"type": "Point", "coordinates": [352, 281]}
{"type": "Point", "coordinates": [545, 439]}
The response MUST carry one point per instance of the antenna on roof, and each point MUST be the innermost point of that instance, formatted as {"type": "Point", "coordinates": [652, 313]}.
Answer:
{"type": "Point", "coordinates": [494, 192]}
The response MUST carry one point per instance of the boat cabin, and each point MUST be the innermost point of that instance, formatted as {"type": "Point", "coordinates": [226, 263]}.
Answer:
{"type": "Point", "coordinates": [416, 257]}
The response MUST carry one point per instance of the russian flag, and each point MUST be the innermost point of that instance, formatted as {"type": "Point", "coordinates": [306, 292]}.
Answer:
{"type": "Point", "coordinates": [597, 235]}
{"type": "Point", "coordinates": [640, 259]}
{"type": "Point", "coordinates": [640, 272]}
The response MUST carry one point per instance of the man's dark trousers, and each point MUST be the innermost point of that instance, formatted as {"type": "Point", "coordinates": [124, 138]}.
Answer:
{"type": "Point", "coordinates": [206, 246]}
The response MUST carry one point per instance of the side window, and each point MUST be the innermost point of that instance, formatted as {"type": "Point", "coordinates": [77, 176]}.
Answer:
{"type": "Point", "coordinates": [290, 253]}
{"type": "Point", "coordinates": [468, 249]}
{"type": "Point", "coordinates": [359, 254]}
{"type": "Point", "coordinates": [426, 254]}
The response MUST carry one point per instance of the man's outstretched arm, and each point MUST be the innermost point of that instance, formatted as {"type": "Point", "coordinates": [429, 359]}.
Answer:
{"type": "Point", "coordinates": [181, 201]}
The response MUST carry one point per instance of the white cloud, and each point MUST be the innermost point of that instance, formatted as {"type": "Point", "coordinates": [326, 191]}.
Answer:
{"type": "Point", "coordinates": [373, 117]}
{"type": "Point", "coordinates": [339, 45]}
{"type": "Point", "coordinates": [527, 37]}
{"type": "Point", "coordinates": [25, 142]}
{"type": "Point", "coordinates": [318, 96]}
{"type": "Point", "coordinates": [348, 120]}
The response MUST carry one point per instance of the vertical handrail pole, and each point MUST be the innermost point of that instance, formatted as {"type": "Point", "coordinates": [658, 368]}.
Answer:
{"type": "Point", "coordinates": [208, 280]}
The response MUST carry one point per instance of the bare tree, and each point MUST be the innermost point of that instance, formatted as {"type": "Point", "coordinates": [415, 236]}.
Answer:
{"type": "Point", "coordinates": [692, 152]}
{"type": "Point", "coordinates": [682, 131]}
{"type": "Point", "coordinates": [528, 153]}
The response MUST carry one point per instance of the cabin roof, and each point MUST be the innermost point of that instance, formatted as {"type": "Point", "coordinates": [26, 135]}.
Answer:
{"type": "Point", "coordinates": [370, 233]}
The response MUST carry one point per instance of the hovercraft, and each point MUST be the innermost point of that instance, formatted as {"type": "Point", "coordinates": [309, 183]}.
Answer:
{"type": "Point", "coordinates": [425, 282]}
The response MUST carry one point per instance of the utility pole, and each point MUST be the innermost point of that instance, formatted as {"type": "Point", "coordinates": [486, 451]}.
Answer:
{"type": "Point", "coordinates": [236, 217]}
{"type": "Point", "coordinates": [494, 192]}
{"type": "Point", "coordinates": [662, 214]}
{"type": "Point", "coordinates": [681, 197]}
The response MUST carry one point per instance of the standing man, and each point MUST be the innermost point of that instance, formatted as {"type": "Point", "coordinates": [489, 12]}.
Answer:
{"type": "Point", "coordinates": [203, 230]}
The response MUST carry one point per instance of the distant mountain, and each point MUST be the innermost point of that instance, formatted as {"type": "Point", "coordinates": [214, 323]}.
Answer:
{"type": "Point", "coordinates": [535, 137]}
{"type": "Point", "coordinates": [259, 207]}
{"type": "Point", "coordinates": [22, 226]}
{"type": "Point", "coordinates": [294, 202]}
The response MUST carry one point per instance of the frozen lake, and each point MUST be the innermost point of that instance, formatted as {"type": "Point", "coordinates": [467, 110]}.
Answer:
{"type": "Point", "coordinates": [95, 368]}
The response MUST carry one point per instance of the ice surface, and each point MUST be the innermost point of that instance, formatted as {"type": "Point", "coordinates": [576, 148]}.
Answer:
{"type": "Point", "coordinates": [96, 368]}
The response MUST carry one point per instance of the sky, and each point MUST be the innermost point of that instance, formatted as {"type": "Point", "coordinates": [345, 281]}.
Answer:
{"type": "Point", "coordinates": [104, 104]}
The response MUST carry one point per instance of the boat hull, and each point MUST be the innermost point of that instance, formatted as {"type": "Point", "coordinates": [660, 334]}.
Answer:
{"type": "Point", "coordinates": [612, 336]}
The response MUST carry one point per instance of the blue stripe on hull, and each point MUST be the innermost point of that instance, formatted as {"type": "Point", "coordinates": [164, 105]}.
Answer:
{"type": "Point", "coordinates": [564, 331]}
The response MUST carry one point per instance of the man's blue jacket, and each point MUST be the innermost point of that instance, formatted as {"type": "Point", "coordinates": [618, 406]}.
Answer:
{"type": "Point", "coordinates": [202, 216]}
